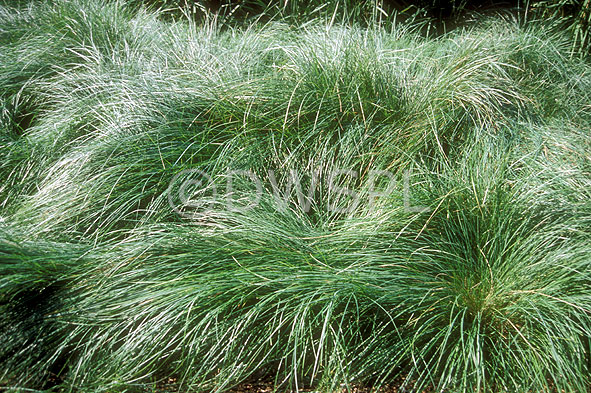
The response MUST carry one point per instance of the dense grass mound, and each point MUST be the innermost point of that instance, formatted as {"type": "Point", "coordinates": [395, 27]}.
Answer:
{"type": "Point", "coordinates": [323, 205]}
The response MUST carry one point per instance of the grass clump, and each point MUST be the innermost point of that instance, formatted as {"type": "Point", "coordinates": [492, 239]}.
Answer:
{"type": "Point", "coordinates": [423, 204]}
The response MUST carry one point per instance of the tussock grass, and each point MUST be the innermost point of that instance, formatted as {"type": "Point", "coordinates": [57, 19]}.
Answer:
{"type": "Point", "coordinates": [103, 284]}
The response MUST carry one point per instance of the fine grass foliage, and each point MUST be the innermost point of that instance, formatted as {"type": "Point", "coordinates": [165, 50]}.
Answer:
{"type": "Point", "coordinates": [472, 273]}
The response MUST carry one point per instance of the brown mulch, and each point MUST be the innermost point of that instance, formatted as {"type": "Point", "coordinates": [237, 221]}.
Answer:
{"type": "Point", "coordinates": [266, 386]}
{"type": "Point", "coordinates": [262, 386]}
